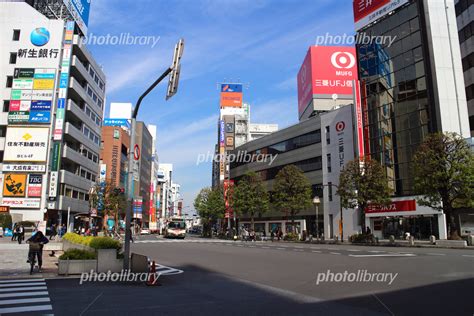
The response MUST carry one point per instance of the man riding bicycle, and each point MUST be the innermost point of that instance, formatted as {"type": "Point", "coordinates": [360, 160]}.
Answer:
{"type": "Point", "coordinates": [36, 243]}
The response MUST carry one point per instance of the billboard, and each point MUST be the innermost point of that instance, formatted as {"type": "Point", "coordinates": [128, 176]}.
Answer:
{"type": "Point", "coordinates": [21, 203]}
{"type": "Point", "coordinates": [228, 191]}
{"type": "Point", "coordinates": [326, 71]}
{"type": "Point", "coordinates": [26, 144]}
{"type": "Point", "coordinates": [35, 183]}
{"type": "Point", "coordinates": [79, 9]}
{"type": "Point", "coordinates": [366, 12]}
{"type": "Point", "coordinates": [231, 95]}
{"type": "Point", "coordinates": [116, 122]}
{"type": "Point", "coordinates": [14, 185]}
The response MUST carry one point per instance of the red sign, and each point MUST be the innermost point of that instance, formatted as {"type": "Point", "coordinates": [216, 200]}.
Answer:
{"type": "Point", "coordinates": [326, 70]}
{"type": "Point", "coordinates": [395, 206]}
{"type": "Point", "coordinates": [136, 152]}
{"type": "Point", "coordinates": [231, 99]}
{"type": "Point", "coordinates": [358, 116]}
{"type": "Point", "coordinates": [363, 8]}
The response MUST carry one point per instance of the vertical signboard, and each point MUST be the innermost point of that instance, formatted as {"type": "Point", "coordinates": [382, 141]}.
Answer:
{"type": "Point", "coordinates": [228, 190]}
{"type": "Point", "coordinates": [358, 120]}
{"type": "Point", "coordinates": [60, 108]}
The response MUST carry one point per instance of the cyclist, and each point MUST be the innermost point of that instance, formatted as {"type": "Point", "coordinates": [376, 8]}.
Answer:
{"type": "Point", "coordinates": [36, 248]}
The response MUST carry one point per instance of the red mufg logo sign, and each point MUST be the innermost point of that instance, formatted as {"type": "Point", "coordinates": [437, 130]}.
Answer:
{"type": "Point", "coordinates": [340, 126]}
{"type": "Point", "coordinates": [326, 70]}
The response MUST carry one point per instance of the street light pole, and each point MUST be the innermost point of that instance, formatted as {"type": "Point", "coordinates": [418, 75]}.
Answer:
{"type": "Point", "coordinates": [172, 88]}
{"type": "Point", "coordinates": [316, 202]}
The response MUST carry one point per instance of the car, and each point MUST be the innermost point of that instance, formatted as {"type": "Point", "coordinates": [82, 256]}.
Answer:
{"type": "Point", "coordinates": [144, 231]}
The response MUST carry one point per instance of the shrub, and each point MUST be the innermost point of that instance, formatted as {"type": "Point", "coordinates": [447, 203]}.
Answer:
{"type": "Point", "coordinates": [362, 238]}
{"type": "Point", "coordinates": [291, 237]}
{"type": "Point", "coordinates": [5, 221]}
{"type": "Point", "coordinates": [104, 243]}
{"type": "Point", "coordinates": [77, 254]}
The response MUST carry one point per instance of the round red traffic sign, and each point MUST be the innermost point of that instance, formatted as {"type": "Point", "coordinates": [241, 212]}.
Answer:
{"type": "Point", "coordinates": [136, 152]}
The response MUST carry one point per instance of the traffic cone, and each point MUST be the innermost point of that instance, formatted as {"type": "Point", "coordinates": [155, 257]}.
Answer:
{"type": "Point", "coordinates": [153, 280]}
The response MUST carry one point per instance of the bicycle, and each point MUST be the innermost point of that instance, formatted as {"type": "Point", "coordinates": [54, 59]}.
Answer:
{"type": "Point", "coordinates": [34, 251]}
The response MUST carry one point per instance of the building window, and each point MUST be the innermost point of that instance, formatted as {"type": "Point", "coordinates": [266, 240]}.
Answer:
{"type": "Point", "coordinates": [328, 135]}
{"type": "Point", "coordinates": [13, 58]}
{"type": "Point", "coordinates": [9, 81]}
{"type": "Point", "coordinates": [329, 162]}
{"type": "Point", "coordinates": [330, 190]}
{"type": "Point", "coordinates": [6, 105]}
{"type": "Point", "coordinates": [16, 35]}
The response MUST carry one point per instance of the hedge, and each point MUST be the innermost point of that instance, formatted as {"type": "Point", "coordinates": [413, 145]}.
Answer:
{"type": "Point", "coordinates": [78, 254]}
{"type": "Point", "coordinates": [93, 242]}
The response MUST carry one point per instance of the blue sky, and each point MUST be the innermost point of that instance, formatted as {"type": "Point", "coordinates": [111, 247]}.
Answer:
{"type": "Point", "coordinates": [260, 43]}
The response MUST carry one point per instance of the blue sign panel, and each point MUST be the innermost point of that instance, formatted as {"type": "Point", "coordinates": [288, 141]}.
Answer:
{"type": "Point", "coordinates": [44, 76]}
{"type": "Point", "coordinates": [115, 122]}
{"type": "Point", "coordinates": [61, 103]}
{"type": "Point", "coordinates": [40, 117]}
{"type": "Point", "coordinates": [40, 105]}
{"type": "Point", "coordinates": [63, 80]}
{"type": "Point", "coordinates": [231, 87]}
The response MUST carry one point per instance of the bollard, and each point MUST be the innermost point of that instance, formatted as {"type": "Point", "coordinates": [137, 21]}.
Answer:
{"type": "Point", "coordinates": [411, 241]}
{"type": "Point", "coordinates": [432, 239]}
{"type": "Point", "coordinates": [470, 240]}
{"type": "Point", "coordinates": [152, 280]}
{"type": "Point", "coordinates": [392, 239]}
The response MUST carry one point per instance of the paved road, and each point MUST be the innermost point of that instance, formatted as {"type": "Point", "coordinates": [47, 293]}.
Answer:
{"type": "Point", "coordinates": [264, 278]}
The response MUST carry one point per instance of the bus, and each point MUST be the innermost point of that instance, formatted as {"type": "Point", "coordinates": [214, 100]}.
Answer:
{"type": "Point", "coordinates": [176, 228]}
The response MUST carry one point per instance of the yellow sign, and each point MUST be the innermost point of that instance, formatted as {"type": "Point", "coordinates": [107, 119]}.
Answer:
{"type": "Point", "coordinates": [14, 184]}
{"type": "Point", "coordinates": [43, 84]}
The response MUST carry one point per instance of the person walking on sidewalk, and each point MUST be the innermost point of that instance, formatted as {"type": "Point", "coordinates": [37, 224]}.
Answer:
{"type": "Point", "coordinates": [21, 234]}
{"type": "Point", "coordinates": [15, 232]}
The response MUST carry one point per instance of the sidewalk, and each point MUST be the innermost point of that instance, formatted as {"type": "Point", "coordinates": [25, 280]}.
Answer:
{"type": "Point", "coordinates": [13, 263]}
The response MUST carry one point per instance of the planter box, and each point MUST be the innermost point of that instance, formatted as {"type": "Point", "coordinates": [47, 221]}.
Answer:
{"type": "Point", "coordinates": [107, 261]}
{"type": "Point", "coordinates": [66, 267]}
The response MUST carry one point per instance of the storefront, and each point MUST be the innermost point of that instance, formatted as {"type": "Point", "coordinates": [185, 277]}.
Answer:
{"type": "Point", "coordinates": [405, 217]}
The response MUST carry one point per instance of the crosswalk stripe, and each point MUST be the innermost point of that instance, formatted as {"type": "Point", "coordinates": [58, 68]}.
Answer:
{"type": "Point", "coordinates": [24, 294]}
{"type": "Point", "coordinates": [22, 284]}
{"type": "Point", "coordinates": [21, 280]}
{"type": "Point", "coordinates": [19, 289]}
{"type": "Point", "coordinates": [25, 300]}
{"type": "Point", "coordinates": [22, 309]}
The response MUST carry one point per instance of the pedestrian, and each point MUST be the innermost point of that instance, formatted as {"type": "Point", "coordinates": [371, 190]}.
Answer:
{"type": "Point", "coordinates": [272, 235]}
{"type": "Point", "coordinates": [131, 236]}
{"type": "Point", "coordinates": [40, 239]}
{"type": "Point", "coordinates": [252, 235]}
{"type": "Point", "coordinates": [15, 232]}
{"type": "Point", "coordinates": [52, 230]}
{"type": "Point", "coordinates": [21, 234]}
{"type": "Point", "coordinates": [368, 231]}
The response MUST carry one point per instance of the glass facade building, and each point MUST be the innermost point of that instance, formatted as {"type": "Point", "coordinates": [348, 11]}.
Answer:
{"type": "Point", "coordinates": [396, 94]}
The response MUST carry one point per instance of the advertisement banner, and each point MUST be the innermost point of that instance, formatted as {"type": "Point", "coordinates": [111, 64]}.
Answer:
{"type": "Point", "coordinates": [221, 133]}
{"type": "Point", "coordinates": [14, 185]}
{"type": "Point", "coordinates": [394, 206]}
{"type": "Point", "coordinates": [38, 105]}
{"type": "Point", "coordinates": [26, 144]}
{"type": "Point", "coordinates": [53, 185]}
{"type": "Point", "coordinates": [15, 117]}
{"type": "Point", "coordinates": [366, 12]}
{"type": "Point", "coordinates": [326, 71]}
{"type": "Point", "coordinates": [22, 84]}
{"type": "Point", "coordinates": [228, 191]}
{"type": "Point", "coordinates": [116, 122]}
{"type": "Point", "coordinates": [231, 99]}
{"type": "Point", "coordinates": [35, 183]}
{"type": "Point", "coordinates": [358, 119]}
{"type": "Point", "coordinates": [24, 73]}
{"type": "Point", "coordinates": [21, 203]}
{"type": "Point", "coordinates": [79, 10]}
{"type": "Point", "coordinates": [23, 168]}
{"type": "Point", "coordinates": [40, 117]}
{"type": "Point", "coordinates": [43, 84]}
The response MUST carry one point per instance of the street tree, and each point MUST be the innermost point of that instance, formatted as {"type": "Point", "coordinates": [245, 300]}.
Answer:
{"type": "Point", "coordinates": [210, 206]}
{"type": "Point", "coordinates": [362, 183]}
{"type": "Point", "coordinates": [250, 197]}
{"type": "Point", "coordinates": [443, 168]}
{"type": "Point", "coordinates": [291, 192]}
{"type": "Point", "coordinates": [114, 202]}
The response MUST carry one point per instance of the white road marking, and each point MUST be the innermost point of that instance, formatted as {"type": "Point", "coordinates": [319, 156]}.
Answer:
{"type": "Point", "coordinates": [335, 253]}
{"type": "Point", "coordinates": [22, 284]}
{"type": "Point", "coordinates": [386, 255]}
{"type": "Point", "coordinates": [354, 250]}
{"type": "Point", "coordinates": [376, 251]}
{"type": "Point", "coordinates": [435, 254]}
{"type": "Point", "coordinates": [472, 256]}
{"type": "Point", "coordinates": [25, 300]}
{"type": "Point", "coordinates": [20, 281]}
{"type": "Point", "coordinates": [24, 294]}
{"type": "Point", "coordinates": [18, 289]}
{"type": "Point", "coordinates": [23, 309]}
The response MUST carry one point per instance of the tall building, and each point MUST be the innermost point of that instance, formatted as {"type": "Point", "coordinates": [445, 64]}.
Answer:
{"type": "Point", "coordinates": [154, 184]}
{"type": "Point", "coordinates": [53, 95]}
{"type": "Point", "coordinates": [259, 130]}
{"type": "Point", "coordinates": [409, 89]}
{"type": "Point", "coordinates": [115, 144]}
{"type": "Point", "coordinates": [165, 176]}
{"type": "Point", "coordinates": [465, 23]}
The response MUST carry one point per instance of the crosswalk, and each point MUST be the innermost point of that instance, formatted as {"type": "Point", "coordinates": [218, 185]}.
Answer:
{"type": "Point", "coordinates": [24, 296]}
{"type": "Point", "coordinates": [163, 240]}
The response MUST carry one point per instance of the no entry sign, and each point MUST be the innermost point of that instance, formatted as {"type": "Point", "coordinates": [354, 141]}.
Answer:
{"type": "Point", "coordinates": [136, 152]}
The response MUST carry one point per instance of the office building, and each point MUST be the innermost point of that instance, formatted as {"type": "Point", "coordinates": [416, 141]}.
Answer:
{"type": "Point", "coordinates": [53, 95]}
{"type": "Point", "coordinates": [408, 89]}
{"type": "Point", "coordinates": [115, 144]}
{"type": "Point", "coordinates": [154, 184]}
{"type": "Point", "coordinates": [259, 130]}
{"type": "Point", "coordinates": [465, 24]}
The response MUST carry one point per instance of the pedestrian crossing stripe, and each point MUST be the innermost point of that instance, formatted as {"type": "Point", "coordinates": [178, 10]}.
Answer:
{"type": "Point", "coordinates": [24, 296]}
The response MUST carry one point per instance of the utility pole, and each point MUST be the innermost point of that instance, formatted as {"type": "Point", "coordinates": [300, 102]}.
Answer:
{"type": "Point", "coordinates": [174, 69]}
